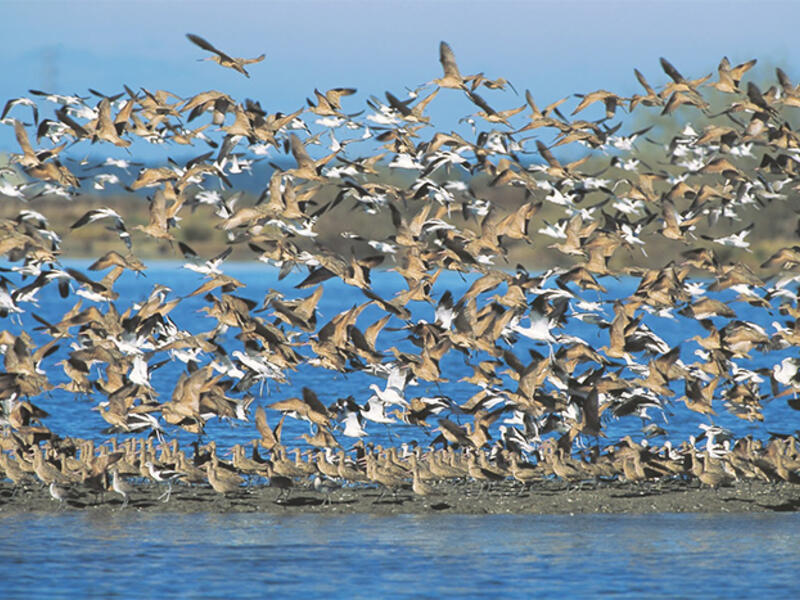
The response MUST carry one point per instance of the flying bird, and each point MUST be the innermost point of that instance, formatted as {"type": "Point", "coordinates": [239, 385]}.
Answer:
{"type": "Point", "coordinates": [223, 59]}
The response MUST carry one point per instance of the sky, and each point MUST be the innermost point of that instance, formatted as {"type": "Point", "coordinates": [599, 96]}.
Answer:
{"type": "Point", "coordinates": [552, 48]}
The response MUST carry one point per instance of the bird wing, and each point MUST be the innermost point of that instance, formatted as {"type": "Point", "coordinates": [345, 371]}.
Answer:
{"type": "Point", "coordinates": [22, 139]}
{"type": "Point", "coordinates": [671, 70]}
{"type": "Point", "coordinates": [547, 155]}
{"type": "Point", "coordinates": [481, 103]}
{"type": "Point", "coordinates": [300, 153]}
{"type": "Point", "coordinates": [250, 61]}
{"type": "Point", "coordinates": [448, 60]}
{"type": "Point", "coordinates": [310, 398]}
{"type": "Point", "coordinates": [196, 39]}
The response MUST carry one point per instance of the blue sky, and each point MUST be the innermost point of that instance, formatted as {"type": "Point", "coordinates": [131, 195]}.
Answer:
{"type": "Point", "coordinates": [552, 48]}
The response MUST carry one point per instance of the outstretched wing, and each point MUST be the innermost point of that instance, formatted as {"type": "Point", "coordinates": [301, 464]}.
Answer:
{"type": "Point", "coordinates": [205, 45]}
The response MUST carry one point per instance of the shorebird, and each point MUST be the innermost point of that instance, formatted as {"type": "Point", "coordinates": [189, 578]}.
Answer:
{"type": "Point", "coordinates": [411, 114]}
{"type": "Point", "coordinates": [221, 481]}
{"type": "Point", "coordinates": [113, 258]}
{"type": "Point", "coordinates": [524, 473]}
{"type": "Point", "coordinates": [325, 487]}
{"type": "Point", "coordinates": [418, 486]}
{"type": "Point", "coordinates": [386, 479]}
{"type": "Point", "coordinates": [452, 77]}
{"type": "Point", "coordinates": [45, 470]}
{"type": "Point", "coordinates": [161, 475]}
{"type": "Point", "coordinates": [706, 175]}
{"type": "Point", "coordinates": [23, 101]}
{"type": "Point", "coordinates": [393, 392]}
{"type": "Point", "coordinates": [221, 58]}
{"type": "Point", "coordinates": [347, 472]}
{"type": "Point", "coordinates": [329, 103]}
{"type": "Point", "coordinates": [492, 115]}
{"type": "Point", "coordinates": [352, 426]}
{"type": "Point", "coordinates": [13, 471]}
{"type": "Point", "coordinates": [58, 493]}
{"type": "Point", "coordinates": [282, 483]}
{"type": "Point", "coordinates": [270, 438]}
{"type": "Point", "coordinates": [308, 408]}
{"type": "Point", "coordinates": [104, 213]}
{"type": "Point", "coordinates": [482, 473]}
{"type": "Point", "coordinates": [786, 373]}
{"type": "Point", "coordinates": [323, 438]}
{"type": "Point", "coordinates": [710, 472]}
{"type": "Point", "coordinates": [307, 168]}
{"type": "Point", "coordinates": [122, 487]}
{"type": "Point", "coordinates": [610, 99]}
{"type": "Point", "coordinates": [454, 434]}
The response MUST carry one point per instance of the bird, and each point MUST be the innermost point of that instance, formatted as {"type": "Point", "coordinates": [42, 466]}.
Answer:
{"type": "Point", "coordinates": [97, 214]}
{"type": "Point", "coordinates": [418, 486]}
{"type": "Point", "coordinates": [282, 483]}
{"type": "Point", "coordinates": [325, 487]}
{"type": "Point", "coordinates": [452, 77]}
{"type": "Point", "coordinates": [329, 103]}
{"type": "Point", "coordinates": [162, 475]}
{"type": "Point", "coordinates": [443, 206]}
{"type": "Point", "coordinates": [122, 487]}
{"type": "Point", "coordinates": [221, 58]}
{"type": "Point", "coordinates": [58, 493]}
{"type": "Point", "coordinates": [270, 438]}
{"type": "Point", "coordinates": [386, 479]}
{"type": "Point", "coordinates": [222, 482]}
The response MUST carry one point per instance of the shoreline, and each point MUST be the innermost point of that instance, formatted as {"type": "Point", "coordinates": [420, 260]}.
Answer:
{"type": "Point", "coordinates": [546, 497]}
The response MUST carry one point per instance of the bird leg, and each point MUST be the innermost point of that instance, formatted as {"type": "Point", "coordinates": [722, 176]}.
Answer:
{"type": "Point", "coordinates": [168, 493]}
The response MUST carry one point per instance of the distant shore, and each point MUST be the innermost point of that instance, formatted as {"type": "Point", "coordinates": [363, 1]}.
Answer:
{"type": "Point", "coordinates": [546, 497]}
{"type": "Point", "coordinates": [774, 229]}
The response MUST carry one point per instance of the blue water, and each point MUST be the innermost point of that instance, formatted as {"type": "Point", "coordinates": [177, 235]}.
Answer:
{"type": "Point", "coordinates": [359, 556]}
{"type": "Point", "coordinates": [134, 555]}
{"type": "Point", "coordinates": [71, 415]}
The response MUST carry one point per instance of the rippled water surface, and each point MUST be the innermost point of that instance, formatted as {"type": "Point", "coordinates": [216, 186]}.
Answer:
{"type": "Point", "coordinates": [361, 556]}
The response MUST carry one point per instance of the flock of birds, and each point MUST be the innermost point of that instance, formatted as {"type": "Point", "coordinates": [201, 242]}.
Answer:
{"type": "Point", "coordinates": [542, 395]}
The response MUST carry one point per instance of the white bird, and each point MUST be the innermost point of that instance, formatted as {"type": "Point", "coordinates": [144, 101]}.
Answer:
{"type": "Point", "coordinates": [375, 411]}
{"type": "Point", "coordinates": [352, 426]}
{"type": "Point", "coordinates": [786, 373]}
{"type": "Point", "coordinates": [395, 386]}
{"type": "Point", "coordinates": [445, 314]}
{"type": "Point", "coordinates": [13, 190]}
{"type": "Point", "coordinates": [138, 373]}
{"type": "Point", "coordinates": [734, 240]}
{"type": "Point", "coordinates": [262, 368]}
{"type": "Point", "coordinates": [537, 331]}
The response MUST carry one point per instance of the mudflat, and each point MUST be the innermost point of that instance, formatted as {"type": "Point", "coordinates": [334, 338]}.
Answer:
{"type": "Point", "coordinates": [545, 497]}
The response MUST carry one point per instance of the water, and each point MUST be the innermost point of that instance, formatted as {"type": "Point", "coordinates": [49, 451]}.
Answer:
{"type": "Point", "coordinates": [360, 556]}
{"type": "Point", "coordinates": [133, 555]}
{"type": "Point", "coordinates": [71, 415]}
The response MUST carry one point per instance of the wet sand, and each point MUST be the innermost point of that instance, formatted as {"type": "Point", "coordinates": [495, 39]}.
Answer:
{"type": "Point", "coordinates": [547, 497]}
